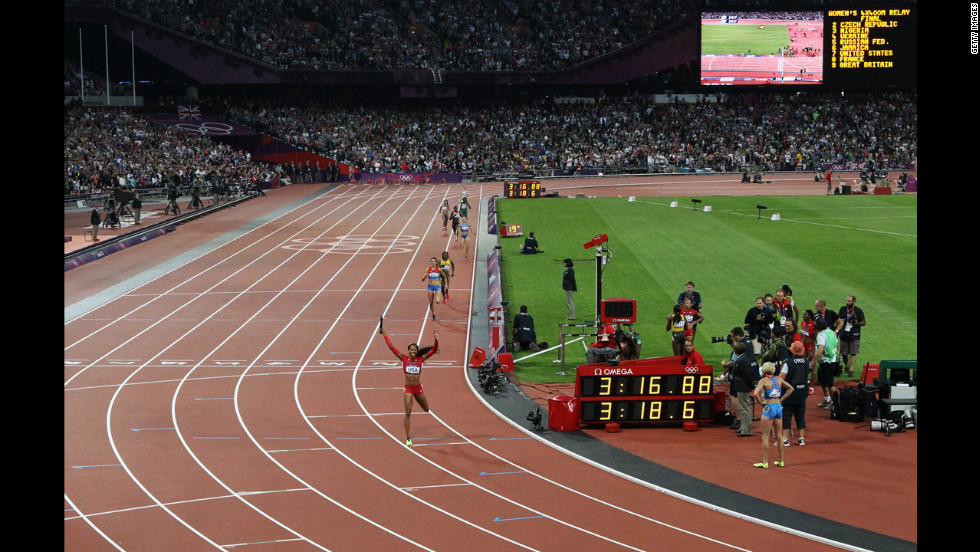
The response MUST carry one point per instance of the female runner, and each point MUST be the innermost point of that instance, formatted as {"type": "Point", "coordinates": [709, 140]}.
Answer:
{"type": "Point", "coordinates": [769, 393]}
{"type": "Point", "coordinates": [464, 235]}
{"type": "Point", "coordinates": [434, 276]}
{"type": "Point", "coordinates": [454, 217]}
{"type": "Point", "coordinates": [444, 211]}
{"type": "Point", "coordinates": [412, 366]}
{"type": "Point", "coordinates": [448, 268]}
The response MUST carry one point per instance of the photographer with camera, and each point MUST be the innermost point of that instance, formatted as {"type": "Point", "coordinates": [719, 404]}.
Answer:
{"type": "Point", "coordinates": [745, 375]}
{"type": "Point", "coordinates": [196, 202]}
{"type": "Point", "coordinates": [736, 336]}
{"type": "Point", "coordinates": [172, 194]}
{"type": "Point", "coordinates": [524, 336]}
{"type": "Point", "coordinates": [758, 321]}
{"type": "Point", "coordinates": [777, 352]}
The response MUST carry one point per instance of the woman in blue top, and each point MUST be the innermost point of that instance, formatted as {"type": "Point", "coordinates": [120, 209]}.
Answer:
{"type": "Point", "coordinates": [433, 275]}
{"type": "Point", "coordinates": [769, 393]}
{"type": "Point", "coordinates": [464, 235]}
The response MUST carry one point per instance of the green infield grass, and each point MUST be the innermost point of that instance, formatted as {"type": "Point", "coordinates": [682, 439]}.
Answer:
{"type": "Point", "coordinates": [743, 39]}
{"type": "Point", "coordinates": [823, 247]}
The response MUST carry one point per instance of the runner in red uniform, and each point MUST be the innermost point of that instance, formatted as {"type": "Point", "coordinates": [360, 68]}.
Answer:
{"type": "Point", "coordinates": [412, 367]}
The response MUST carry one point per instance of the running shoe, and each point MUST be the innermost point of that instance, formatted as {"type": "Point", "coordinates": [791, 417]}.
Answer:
{"type": "Point", "coordinates": [780, 463]}
{"type": "Point", "coordinates": [408, 442]}
{"type": "Point", "coordinates": [801, 442]}
{"type": "Point", "coordinates": [785, 443]}
{"type": "Point", "coordinates": [763, 465]}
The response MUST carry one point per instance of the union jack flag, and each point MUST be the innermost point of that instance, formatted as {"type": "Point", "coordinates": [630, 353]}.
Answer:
{"type": "Point", "coordinates": [189, 111]}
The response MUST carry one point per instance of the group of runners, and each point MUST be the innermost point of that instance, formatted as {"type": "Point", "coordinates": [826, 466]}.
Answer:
{"type": "Point", "coordinates": [437, 277]}
{"type": "Point", "coordinates": [441, 270]}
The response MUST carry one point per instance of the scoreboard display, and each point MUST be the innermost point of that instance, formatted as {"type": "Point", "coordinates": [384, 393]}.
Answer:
{"type": "Point", "coordinates": [617, 311]}
{"type": "Point", "coordinates": [645, 390]}
{"type": "Point", "coordinates": [855, 46]}
{"type": "Point", "coordinates": [871, 46]}
{"type": "Point", "coordinates": [515, 189]}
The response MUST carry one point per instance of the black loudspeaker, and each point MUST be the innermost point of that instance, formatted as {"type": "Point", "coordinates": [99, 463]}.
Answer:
{"type": "Point", "coordinates": [845, 189]}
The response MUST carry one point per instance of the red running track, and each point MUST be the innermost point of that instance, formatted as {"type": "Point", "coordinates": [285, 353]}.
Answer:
{"type": "Point", "coordinates": [236, 396]}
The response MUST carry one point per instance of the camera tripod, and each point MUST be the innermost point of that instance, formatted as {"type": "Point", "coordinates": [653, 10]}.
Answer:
{"type": "Point", "coordinates": [195, 202]}
{"type": "Point", "coordinates": [172, 206]}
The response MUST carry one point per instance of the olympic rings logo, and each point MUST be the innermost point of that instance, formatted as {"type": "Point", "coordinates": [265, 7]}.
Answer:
{"type": "Point", "coordinates": [207, 128]}
{"type": "Point", "coordinates": [364, 245]}
{"type": "Point", "coordinates": [691, 369]}
{"type": "Point", "coordinates": [405, 177]}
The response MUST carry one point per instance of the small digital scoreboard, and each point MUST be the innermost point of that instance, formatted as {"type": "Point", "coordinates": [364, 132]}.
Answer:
{"type": "Point", "coordinates": [645, 390]}
{"type": "Point", "coordinates": [515, 189]}
{"type": "Point", "coordinates": [511, 230]}
{"type": "Point", "coordinates": [617, 311]}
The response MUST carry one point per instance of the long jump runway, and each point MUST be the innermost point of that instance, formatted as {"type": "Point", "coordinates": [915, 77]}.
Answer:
{"type": "Point", "coordinates": [242, 399]}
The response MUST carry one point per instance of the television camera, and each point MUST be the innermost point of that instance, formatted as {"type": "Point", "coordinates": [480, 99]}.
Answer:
{"type": "Point", "coordinates": [489, 377]}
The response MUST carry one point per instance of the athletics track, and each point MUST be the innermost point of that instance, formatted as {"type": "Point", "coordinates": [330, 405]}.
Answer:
{"type": "Point", "coordinates": [226, 389]}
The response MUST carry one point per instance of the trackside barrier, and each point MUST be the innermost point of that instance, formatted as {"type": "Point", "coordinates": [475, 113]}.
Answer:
{"type": "Point", "coordinates": [562, 334]}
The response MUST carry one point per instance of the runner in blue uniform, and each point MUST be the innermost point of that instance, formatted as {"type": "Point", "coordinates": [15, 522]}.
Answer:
{"type": "Point", "coordinates": [769, 393]}
{"type": "Point", "coordinates": [433, 275]}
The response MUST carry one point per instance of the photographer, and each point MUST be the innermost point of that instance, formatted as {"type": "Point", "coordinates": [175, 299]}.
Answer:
{"type": "Point", "coordinates": [745, 374]}
{"type": "Point", "coordinates": [777, 352]}
{"type": "Point", "coordinates": [524, 336]}
{"type": "Point", "coordinates": [758, 322]}
{"type": "Point", "coordinates": [736, 336]}
{"type": "Point", "coordinates": [530, 245]}
{"type": "Point", "coordinates": [196, 202]}
{"type": "Point", "coordinates": [172, 195]}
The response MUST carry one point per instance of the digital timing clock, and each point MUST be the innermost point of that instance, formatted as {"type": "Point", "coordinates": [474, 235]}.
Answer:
{"type": "Point", "coordinates": [617, 311]}
{"type": "Point", "coordinates": [522, 188]}
{"type": "Point", "coordinates": [510, 230]}
{"type": "Point", "coordinates": [645, 390]}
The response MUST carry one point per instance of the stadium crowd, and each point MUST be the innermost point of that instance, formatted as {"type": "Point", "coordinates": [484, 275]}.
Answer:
{"type": "Point", "coordinates": [109, 148]}
{"type": "Point", "coordinates": [762, 131]}
{"type": "Point", "coordinates": [469, 35]}
{"type": "Point", "coordinates": [768, 132]}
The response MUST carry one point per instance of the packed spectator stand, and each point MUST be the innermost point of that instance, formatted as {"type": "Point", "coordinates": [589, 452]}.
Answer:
{"type": "Point", "coordinates": [619, 131]}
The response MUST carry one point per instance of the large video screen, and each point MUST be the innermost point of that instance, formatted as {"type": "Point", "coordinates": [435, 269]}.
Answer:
{"type": "Point", "coordinates": [837, 48]}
